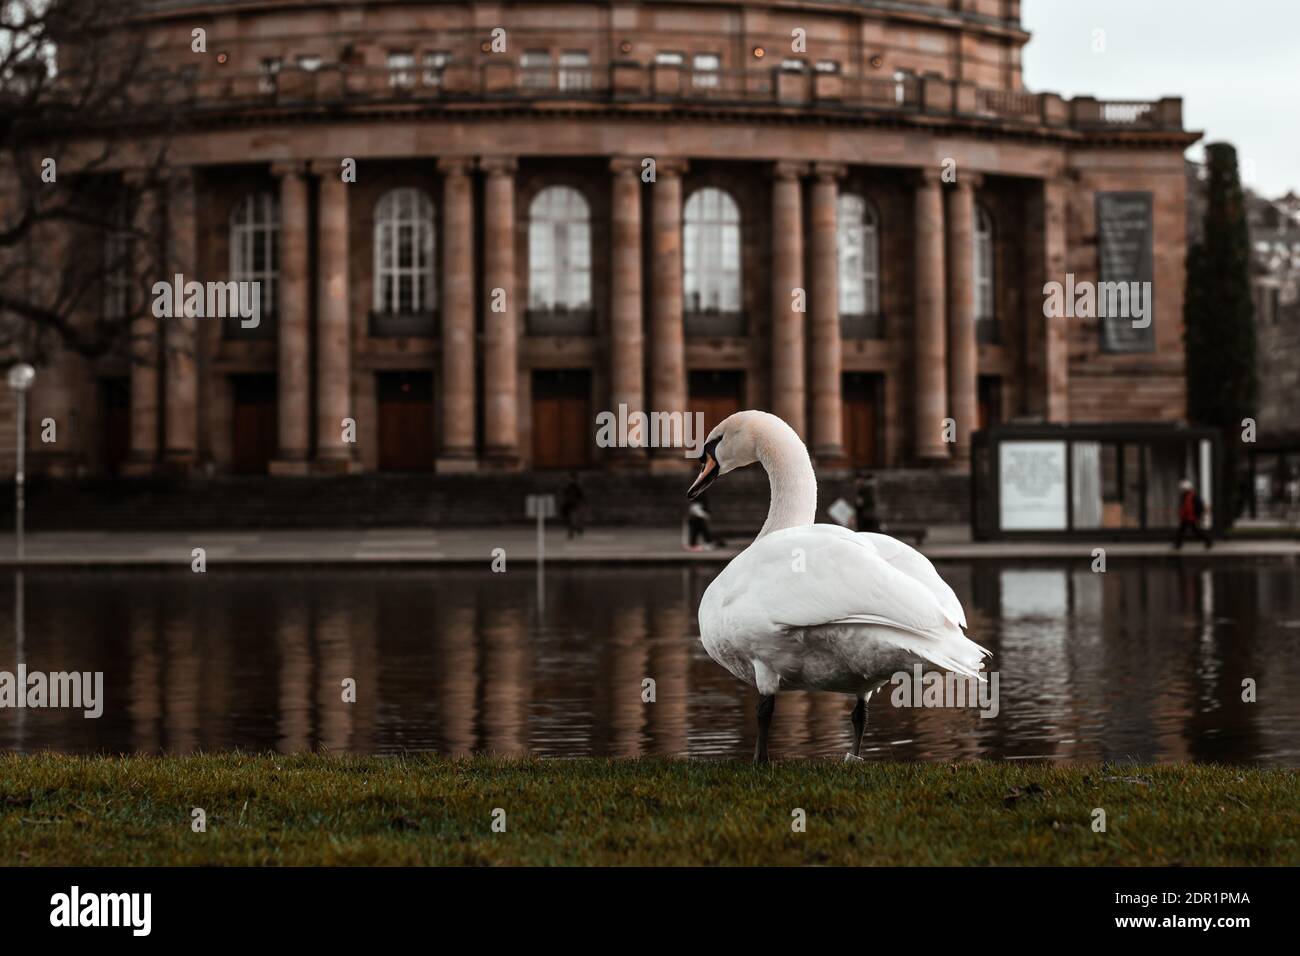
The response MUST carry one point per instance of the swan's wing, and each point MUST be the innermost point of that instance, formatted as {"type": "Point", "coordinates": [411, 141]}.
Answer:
{"type": "Point", "coordinates": [917, 566]}
{"type": "Point", "coordinates": [844, 580]}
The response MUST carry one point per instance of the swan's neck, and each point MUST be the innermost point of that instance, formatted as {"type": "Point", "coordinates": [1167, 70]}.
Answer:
{"type": "Point", "coordinates": [793, 484]}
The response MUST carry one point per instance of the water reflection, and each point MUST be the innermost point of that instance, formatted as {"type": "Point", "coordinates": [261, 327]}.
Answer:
{"type": "Point", "coordinates": [1145, 661]}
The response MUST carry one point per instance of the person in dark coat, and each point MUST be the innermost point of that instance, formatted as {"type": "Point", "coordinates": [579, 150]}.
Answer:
{"type": "Point", "coordinates": [864, 504]}
{"type": "Point", "coordinates": [1191, 509]}
{"type": "Point", "coordinates": [699, 527]}
{"type": "Point", "coordinates": [573, 507]}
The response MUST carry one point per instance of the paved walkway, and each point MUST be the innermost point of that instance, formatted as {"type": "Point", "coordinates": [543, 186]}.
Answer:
{"type": "Point", "coordinates": [469, 546]}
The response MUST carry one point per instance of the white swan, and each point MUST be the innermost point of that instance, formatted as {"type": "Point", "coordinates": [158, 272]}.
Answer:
{"type": "Point", "coordinates": [816, 606]}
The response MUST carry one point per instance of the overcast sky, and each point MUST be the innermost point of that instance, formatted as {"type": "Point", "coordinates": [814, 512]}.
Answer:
{"type": "Point", "coordinates": [1236, 63]}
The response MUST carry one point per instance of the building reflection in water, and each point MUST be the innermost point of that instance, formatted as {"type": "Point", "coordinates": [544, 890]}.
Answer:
{"type": "Point", "coordinates": [1144, 661]}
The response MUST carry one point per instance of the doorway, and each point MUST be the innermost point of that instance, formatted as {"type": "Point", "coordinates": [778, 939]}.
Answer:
{"type": "Point", "coordinates": [114, 424]}
{"type": "Point", "coordinates": [716, 394]}
{"type": "Point", "coordinates": [405, 411]}
{"type": "Point", "coordinates": [990, 401]}
{"type": "Point", "coordinates": [253, 425]}
{"type": "Point", "coordinates": [563, 427]}
{"type": "Point", "coordinates": [861, 430]}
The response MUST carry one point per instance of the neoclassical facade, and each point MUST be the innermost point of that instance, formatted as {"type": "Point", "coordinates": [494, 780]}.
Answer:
{"type": "Point", "coordinates": [474, 226]}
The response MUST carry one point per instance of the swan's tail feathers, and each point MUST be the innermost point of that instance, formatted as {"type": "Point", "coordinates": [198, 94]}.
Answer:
{"type": "Point", "coordinates": [950, 649]}
{"type": "Point", "coordinates": [957, 660]}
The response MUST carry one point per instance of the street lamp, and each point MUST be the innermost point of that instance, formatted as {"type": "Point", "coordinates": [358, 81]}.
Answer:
{"type": "Point", "coordinates": [21, 377]}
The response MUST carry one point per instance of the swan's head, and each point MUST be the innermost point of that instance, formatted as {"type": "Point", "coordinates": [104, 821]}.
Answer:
{"type": "Point", "coordinates": [732, 444]}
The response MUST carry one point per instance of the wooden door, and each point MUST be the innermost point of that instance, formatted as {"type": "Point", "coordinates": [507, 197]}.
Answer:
{"type": "Point", "coordinates": [861, 416]}
{"type": "Point", "coordinates": [253, 425]}
{"type": "Point", "coordinates": [405, 409]}
{"type": "Point", "coordinates": [716, 394]}
{"type": "Point", "coordinates": [114, 423]}
{"type": "Point", "coordinates": [563, 426]}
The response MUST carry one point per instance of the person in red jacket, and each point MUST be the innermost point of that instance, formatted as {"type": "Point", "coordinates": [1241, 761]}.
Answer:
{"type": "Point", "coordinates": [1190, 511]}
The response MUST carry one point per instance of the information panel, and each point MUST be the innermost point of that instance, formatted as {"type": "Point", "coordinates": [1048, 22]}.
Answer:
{"type": "Point", "coordinates": [1124, 252]}
{"type": "Point", "coordinates": [1031, 485]}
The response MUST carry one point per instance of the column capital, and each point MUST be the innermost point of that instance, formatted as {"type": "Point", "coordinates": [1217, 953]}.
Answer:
{"type": "Point", "coordinates": [968, 181]}
{"type": "Point", "coordinates": [928, 176]}
{"type": "Point", "coordinates": [670, 166]}
{"type": "Point", "coordinates": [455, 165]}
{"type": "Point", "coordinates": [290, 167]}
{"type": "Point", "coordinates": [829, 172]}
{"type": "Point", "coordinates": [789, 170]}
{"type": "Point", "coordinates": [498, 165]}
{"type": "Point", "coordinates": [327, 168]}
{"type": "Point", "coordinates": [626, 165]}
{"type": "Point", "coordinates": [178, 179]}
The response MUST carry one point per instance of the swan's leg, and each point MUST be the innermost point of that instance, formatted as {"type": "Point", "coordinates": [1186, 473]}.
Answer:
{"type": "Point", "coordinates": [766, 704]}
{"type": "Point", "coordinates": [859, 718]}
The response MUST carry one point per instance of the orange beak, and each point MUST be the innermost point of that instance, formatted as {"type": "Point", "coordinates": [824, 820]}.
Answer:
{"type": "Point", "coordinates": [709, 470]}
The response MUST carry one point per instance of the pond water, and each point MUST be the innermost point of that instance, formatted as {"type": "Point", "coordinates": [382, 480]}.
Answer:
{"type": "Point", "coordinates": [1145, 661]}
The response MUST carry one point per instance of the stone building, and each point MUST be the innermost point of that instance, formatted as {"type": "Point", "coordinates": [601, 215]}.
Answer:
{"type": "Point", "coordinates": [843, 211]}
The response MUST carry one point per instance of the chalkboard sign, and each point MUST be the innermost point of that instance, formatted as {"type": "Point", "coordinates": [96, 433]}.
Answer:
{"type": "Point", "coordinates": [1124, 251]}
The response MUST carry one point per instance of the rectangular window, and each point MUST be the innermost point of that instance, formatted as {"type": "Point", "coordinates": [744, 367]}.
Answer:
{"type": "Point", "coordinates": [268, 73]}
{"type": "Point", "coordinates": [827, 66]}
{"type": "Point", "coordinates": [401, 69]}
{"type": "Point", "coordinates": [793, 65]}
{"type": "Point", "coordinates": [309, 62]}
{"type": "Point", "coordinates": [575, 70]}
{"type": "Point", "coordinates": [435, 62]}
{"type": "Point", "coordinates": [705, 67]}
{"type": "Point", "coordinates": [668, 58]}
{"type": "Point", "coordinates": [535, 67]}
{"type": "Point", "coordinates": [118, 272]}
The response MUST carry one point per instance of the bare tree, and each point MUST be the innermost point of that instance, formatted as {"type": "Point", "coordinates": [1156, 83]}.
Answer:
{"type": "Point", "coordinates": [81, 100]}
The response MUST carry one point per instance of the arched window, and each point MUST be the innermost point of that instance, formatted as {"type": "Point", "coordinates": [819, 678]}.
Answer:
{"type": "Point", "coordinates": [404, 253]}
{"type": "Point", "coordinates": [984, 310]}
{"type": "Point", "coordinates": [859, 257]}
{"type": "Point", "coordinates": [254, 246]}
{"type": "Point", "coordinates": [711, 251]}
{"type": "Point", "coordinates": [559, 251]}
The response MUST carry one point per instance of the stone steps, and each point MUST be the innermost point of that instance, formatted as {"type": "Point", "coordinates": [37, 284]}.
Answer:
{"type": "Point", "coordinates": [739, 502]}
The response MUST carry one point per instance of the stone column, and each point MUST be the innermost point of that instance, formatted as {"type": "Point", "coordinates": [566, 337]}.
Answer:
{"type": "Point", "coordinates": [668, 350]}
{"type": "Point", "coordinates": [293, 348]}
{"type": "Point", "coordinates": [1056, 343]}
{"type": "Point", "coordinates": [931, 399]}
{"type": "Point", "coordinates": [500, 311]}
{"type": "Point", "coordinates": [963, 360]}
{"type": "Point", "coordinates": [456, 452]}
{"type": "Point", "coordinates": [789, 297]}
{"type": "Point", "coordinates": [827, 373]}
{"type": "Point", "coordinates": [181, 415]}
{"type": "Point", "coordinates": [334, 328]}
{"type": "Point", "coordinates": [627, 345]}
{"type": "Point", "coordinates": [144, 339]}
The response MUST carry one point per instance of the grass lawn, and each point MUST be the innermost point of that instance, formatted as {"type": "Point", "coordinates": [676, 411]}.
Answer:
{"type": "Point", "coordinates": [313, 809]}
